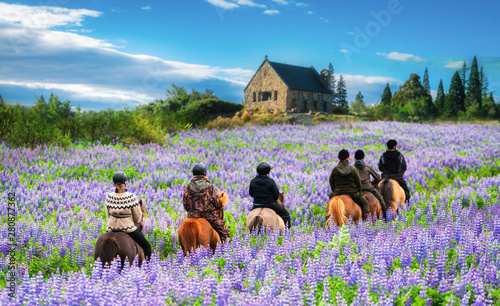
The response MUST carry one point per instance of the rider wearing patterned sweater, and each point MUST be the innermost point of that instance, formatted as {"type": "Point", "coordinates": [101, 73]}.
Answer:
{"type": "Point", "coordinates": [124, 212]}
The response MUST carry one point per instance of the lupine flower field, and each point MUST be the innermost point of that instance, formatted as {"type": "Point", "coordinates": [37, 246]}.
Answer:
{"type": "Point", "coordinates": [442, 249]}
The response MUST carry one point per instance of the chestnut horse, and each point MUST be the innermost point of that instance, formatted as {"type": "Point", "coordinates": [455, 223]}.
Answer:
{"type": "Point", "coordinates": [195, 232]}
{"type": "Point", "coordinates": [340, 208]}
{"type": "Point", "coordinates": [111, 244]}
{"type": "Point", "coordinates": [394, 196]}
{"type": "Point", "coordinates": [267, 218]}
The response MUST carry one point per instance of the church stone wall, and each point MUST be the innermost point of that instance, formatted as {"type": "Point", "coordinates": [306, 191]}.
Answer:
{"type": "Point", "coordinates": [266, 80]}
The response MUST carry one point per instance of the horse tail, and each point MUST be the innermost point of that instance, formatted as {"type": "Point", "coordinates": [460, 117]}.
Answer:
{"type": "Point", "coordinates": [256, 224]}
{"type": "Point", "coordinates": [109, 250]}
{"type": "Point", "coordinates": [387, 192]}
{"type": "Point", "coordinates": [188, 236]}
{"type": "Point", "coordinates": [337, 209]}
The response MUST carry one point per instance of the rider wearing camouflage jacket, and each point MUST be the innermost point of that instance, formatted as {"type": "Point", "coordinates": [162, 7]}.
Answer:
{"type": "Point", "coordinates": [201, 200]}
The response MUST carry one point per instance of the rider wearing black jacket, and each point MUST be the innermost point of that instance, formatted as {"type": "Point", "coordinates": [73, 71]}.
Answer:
{"type": "Point", "coordinates": [392, 164]}
{"type": "Point", "coordinates": [265, 193]}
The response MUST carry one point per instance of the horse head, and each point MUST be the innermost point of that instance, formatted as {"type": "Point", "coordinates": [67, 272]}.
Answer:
{"type": "Point", "coordinates": [140, 225]}
{"type": "Point", "coordinates": [223, 197]}
{"type": "Point", "coordinates": [281, 199]}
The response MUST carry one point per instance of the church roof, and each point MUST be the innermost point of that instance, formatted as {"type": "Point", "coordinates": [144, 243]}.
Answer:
{"type": "Point", "coordinates": [299, 78]}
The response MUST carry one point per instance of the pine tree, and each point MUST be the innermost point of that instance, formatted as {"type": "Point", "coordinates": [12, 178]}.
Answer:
{"type": "Point", "coordinates": [425, 84]}
{"type": "Point", "coordinates": [463, 73]}
{"type": "Point", "coordinates": [332, 83]}
{"type": "Point", "coordinates": [474, 86]}
{"type": "Point", "coordinates": [439, 102]}
{"type": "Point", "coordinates": [455, 99]}
{"type": "Point", "coordinates": [484, 81]}
{"type": "Point", "coordinates": [341, 93]}
{"type": "Point", "coordinates": [386, 95]}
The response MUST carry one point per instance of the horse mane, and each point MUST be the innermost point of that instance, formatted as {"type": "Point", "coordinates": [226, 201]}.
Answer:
{"type": "Point", "coordinates": [281, 199]}
{"type": "Point", "coordinates": [256, 224]}
{"type": "Point", "coordinates": [387, 193]}
{"type": "Point", "coordinates": [337, 210]}
{"type": "Point", "coordinates": [188, 232]}
{"type": "Point", "coordinates": [224, 198]}
{"type": "Point", "coordinates": [109, 250]}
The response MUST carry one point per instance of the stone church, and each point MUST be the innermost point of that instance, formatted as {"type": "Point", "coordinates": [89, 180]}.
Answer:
{"type": "Point", "coordinates": [289, 88]}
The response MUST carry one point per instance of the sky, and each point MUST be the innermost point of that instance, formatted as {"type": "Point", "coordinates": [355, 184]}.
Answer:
{"type": "Point", "coordinates": [115, 54]}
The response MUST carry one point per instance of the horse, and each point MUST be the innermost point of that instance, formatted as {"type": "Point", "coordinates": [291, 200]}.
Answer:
{"type": "Point", "coordinates": [196, 232]}
{"type": "Point", "coordinates": [111, 244]}
{"type": "Point", "coordinates": [266, 217]}
{"type": "Point", "coordinates": [392, 193]}
{"type": "Point", "coordinates": [341, 207]}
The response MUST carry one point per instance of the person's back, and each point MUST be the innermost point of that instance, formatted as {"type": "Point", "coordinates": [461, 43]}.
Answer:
{"type": "Point", "coordinates": [265, 193]}
{"type": "Point", "coordinates": [123, 211]}
{"type": "Point", "coordinates": [392, 164]}
{"type": "Point", "coordinates": [201, 200]}
{"type": "Point", "coordinates": [344, 180]}
{"type": "Point", "coordinates": [366, 172]}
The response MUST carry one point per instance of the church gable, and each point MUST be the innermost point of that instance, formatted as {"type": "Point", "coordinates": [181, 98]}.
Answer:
{"type": "Point", "coordinates": [283, 87]}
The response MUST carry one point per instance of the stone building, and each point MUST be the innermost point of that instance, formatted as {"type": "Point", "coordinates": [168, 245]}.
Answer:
{"type": "Point", "coordinates": [283, 87]}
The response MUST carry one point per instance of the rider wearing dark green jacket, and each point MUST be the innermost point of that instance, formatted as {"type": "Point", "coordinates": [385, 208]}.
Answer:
{"type": "Point", "coordinates": [344, 180]}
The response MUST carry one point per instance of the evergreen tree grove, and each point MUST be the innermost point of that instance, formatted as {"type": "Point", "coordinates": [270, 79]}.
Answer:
{"type": "Point", "coordinates": [474, 86]}
{"type": "Point", "coordinates": [342, 93]}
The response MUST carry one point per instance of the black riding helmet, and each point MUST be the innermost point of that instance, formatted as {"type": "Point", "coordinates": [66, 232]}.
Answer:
{"type": "Point", "coordinates": [264, 168]}
{"type": "Point", "coordinates": [199, 169]}
{"type": "Point", "coordinates": [120, 178]}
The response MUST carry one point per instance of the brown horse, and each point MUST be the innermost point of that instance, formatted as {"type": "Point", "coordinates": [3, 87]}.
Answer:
{"type": "Point", "coordinates": [266, 218]}
{"type": "Point", "coordinates": [111, 244]}
{"type": "Point", "coordinates": [195, 232]}
{"type": "Point", "coordinates": [340, 208]}
{"type": "Point", "coordinates": [392, 193]}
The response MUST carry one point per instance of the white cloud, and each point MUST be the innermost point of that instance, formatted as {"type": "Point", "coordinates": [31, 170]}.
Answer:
{"type": "Point", "coordinates": [344, 50]}
{"type": "Point", "coordinates": [223, 4]}
{"type": "Point", "coordinates": [301, 4]}
{"type": "Point", "coordinates": [283, 2]}
{"type": "Point", "coordinates": [359, 80]}
{"type": "Point", "coordinates": [323, 19]}
{"type": "Point", "coordinates": [403, 57]}
{"type": "Point", "coordinates": [309, 13]}
{"type": "Point", "coordinates": [87, 68]}
{"type": "Point", "coordinates": [271, 12]}
{"type": "Point", "coordinates": [351, 33]}
{"type": "Point", "coordinates": [43, 16]}
{"type": "Point", "coordinates": [234, 4]}
{"type": "Point", "coordinates": [147, 7]}
{"type": "Point", "coordinates": [454, 64]}
{"type": "Point", "coordinates": [249, 3]}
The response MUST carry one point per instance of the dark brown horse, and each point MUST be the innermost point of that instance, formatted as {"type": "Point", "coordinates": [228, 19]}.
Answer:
{"type": "Point", "coordinates": [196, 232]}
{"type": "Point", "coordinates": [340, 208]}
{"type": "Point", "coordinates": [394, 196]}
{"type": "Point", "coordinates": [111, 244]}
{"type": "Point", "coordinates": [266, 218]}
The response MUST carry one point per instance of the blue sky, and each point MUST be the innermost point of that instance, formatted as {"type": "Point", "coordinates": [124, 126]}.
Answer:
{"type": "Point", "coordinates": [115, 54]}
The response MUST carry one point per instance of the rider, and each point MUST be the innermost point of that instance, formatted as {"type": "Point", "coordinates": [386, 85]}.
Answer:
{"type": "Point", "coordinates": [392, 164]}
{"type": "Point", "coordinates": [124, 212]}
{"type": "Point", "coordinates": [201, 200]}
{"type": "Point", "coordinates": [265, 193]}
{"type": "Point", "coordinates": [344, 180]}
{"type": "Point", "coordinates": [365, 171]}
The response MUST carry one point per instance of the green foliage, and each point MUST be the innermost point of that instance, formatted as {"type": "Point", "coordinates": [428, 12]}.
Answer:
{"type": "Point", "coordinates": [440, 99]}
{"type": "Point", "coordinates": [341, 94]}
{"type": "Point", "coordinates": [56, 123]}
{"type": "Point", "coordinates": [358, 107]}
{"type": "Point", "coordinates": [412, 95]}
{"type": "Point", "coordinates": [454, 101]}
{"type": "Point", "coordinates": [386, 96]}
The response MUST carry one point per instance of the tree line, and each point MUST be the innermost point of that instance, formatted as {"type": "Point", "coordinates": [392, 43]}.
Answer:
{"type": "Point", "coordinates": [467, 98]}
{"type": "Point", "coordinates": [56, 122]}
